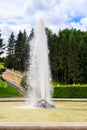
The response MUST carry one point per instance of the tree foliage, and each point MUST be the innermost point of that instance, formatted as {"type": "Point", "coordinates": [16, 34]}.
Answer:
{"type": "Point", "coordinates": [10, 59]}
{"type": "Point", "coordinates": [67, 54]}
{"type": "Point", "coordinates": [1, 44]}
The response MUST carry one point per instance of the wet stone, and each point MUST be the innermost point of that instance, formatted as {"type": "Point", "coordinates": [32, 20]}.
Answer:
{"type": "Point", "coordinates": [43, 104]}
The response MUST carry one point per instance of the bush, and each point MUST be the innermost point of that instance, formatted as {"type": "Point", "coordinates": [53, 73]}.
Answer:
{"type": "Point", "coordinates": [24, 82]}
{"type": "Point", "coordinates": [3, 84]}
{"type": "Point", "coordinates": [70, 92]}
{"type": "Point", "coordinates": [2, 70]}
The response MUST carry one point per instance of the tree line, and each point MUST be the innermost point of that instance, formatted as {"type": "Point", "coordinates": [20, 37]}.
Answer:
{"type": "Point", "coordinates": [67, 54]}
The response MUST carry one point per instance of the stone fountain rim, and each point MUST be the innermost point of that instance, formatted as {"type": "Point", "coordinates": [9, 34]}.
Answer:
{"type": "Point", "coordinates": [15, 99]}
{"type": "Point", "coordinates": [44, 126]}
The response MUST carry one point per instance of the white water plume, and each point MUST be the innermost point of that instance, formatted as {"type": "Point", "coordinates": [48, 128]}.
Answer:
{"type": "Point", "coordinates": [39, 76]}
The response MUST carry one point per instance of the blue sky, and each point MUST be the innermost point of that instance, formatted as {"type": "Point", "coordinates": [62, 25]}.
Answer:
{"type": "Point", "coordinates": [18, 15]}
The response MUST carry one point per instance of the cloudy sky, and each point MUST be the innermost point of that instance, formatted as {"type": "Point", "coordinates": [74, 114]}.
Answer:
{"type": "Point", "coordinates": [18, 15]}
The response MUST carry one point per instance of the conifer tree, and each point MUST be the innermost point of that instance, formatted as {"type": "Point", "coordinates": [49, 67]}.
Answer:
{"type": "Point", "coordinates": [1, 44]}
{"type": "Point", "coordinates": [10, 60]}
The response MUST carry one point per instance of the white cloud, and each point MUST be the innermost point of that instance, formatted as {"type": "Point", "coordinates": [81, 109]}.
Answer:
{"type": "Point", "coordinates": [11, 9]}
{"type": "Point", "coordinates": [6, 30]}
{"type": "Point", "coordinates": [84, 22]}
{"type": "Point", "coordinates": [18, 15]}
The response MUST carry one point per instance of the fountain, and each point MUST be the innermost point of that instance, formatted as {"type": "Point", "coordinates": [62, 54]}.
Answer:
{"type": "Point", "coordinates": [39, 77]}
{"type": "Point", "coordinates": [70, 113]}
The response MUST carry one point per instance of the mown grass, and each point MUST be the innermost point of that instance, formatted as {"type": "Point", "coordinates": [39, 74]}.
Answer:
{"type": "Point", "coordinates": [7, 90]}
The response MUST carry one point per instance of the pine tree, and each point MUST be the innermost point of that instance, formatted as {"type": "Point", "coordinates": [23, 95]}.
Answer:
{"type": "Point", "coordinates": [20, 47]}
{"type": "Point", "coordinates": [10, 60]}
{"type": "Point", "coordinates": [1, 45]}
{"type": "Point", "coordinates": [73, 59]}
{"type": "Point", "coordinates": [63, 53]}
{"type": "Point", "coordinates": [27, 49]}
{"type": "Point", "coordinates": [83, 59]}
{"type": "Point", "coordinates": [11, 44]}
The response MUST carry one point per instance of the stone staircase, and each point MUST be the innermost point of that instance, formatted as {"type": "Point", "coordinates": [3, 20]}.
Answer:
{"type": "Point", "coordinates": [14, 78]}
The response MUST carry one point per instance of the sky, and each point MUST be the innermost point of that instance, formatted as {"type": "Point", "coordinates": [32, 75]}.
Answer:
{"type": "Point", "coordinates": [18, 15]}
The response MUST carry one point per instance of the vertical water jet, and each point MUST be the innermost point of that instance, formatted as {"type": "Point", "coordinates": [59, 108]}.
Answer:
{"type": "Point", "coordinates": [39, 76]}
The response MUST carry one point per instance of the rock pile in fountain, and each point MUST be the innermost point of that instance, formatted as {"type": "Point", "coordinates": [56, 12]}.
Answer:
{"type": "Point", "coordinates": [43, 104]}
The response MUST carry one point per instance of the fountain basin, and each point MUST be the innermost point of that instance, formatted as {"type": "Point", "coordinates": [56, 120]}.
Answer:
{"type": "Point", "coordinates": [12, 110]}
{"type": "Point", "coordinates": [69, 114]}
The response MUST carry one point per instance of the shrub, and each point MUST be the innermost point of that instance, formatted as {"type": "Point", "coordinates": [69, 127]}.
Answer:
{"type": "Point", "coordinates": [3, 84]}
{"type": "Point", "coordinates": [70, 92]}
{"type": "Point", "coordinates": [2, 70]}
{"type": "Point", "coordinates": [24, 82]}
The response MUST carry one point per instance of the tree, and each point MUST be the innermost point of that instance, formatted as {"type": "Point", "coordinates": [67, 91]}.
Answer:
{"type": "Point", "coordinates": [20, 47]}
{"type": "Point", "coordinates": [63, 53]}
{"type": "Point", "coordinates": [1, 45]}
{"type": "Point", "coordinates": [10, 60]}
{"type": "Point", "coordinates": [53, 53]}
{"type": "Point", "coordinates": [27, 49]}
{"type": "Point", "coordinates": [83, 58]}
{"type": "Point", "coordinates": [73, 59]}
{"type": "Point", "coordinates": [11, 44]}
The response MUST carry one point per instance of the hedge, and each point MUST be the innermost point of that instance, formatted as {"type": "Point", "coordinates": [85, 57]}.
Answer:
{"type": "Point", "coordinates": [70, 92]}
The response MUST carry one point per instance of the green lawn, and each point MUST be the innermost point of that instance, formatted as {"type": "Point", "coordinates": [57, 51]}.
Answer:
{"type": "Point", "coordinates": [7, 90]}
